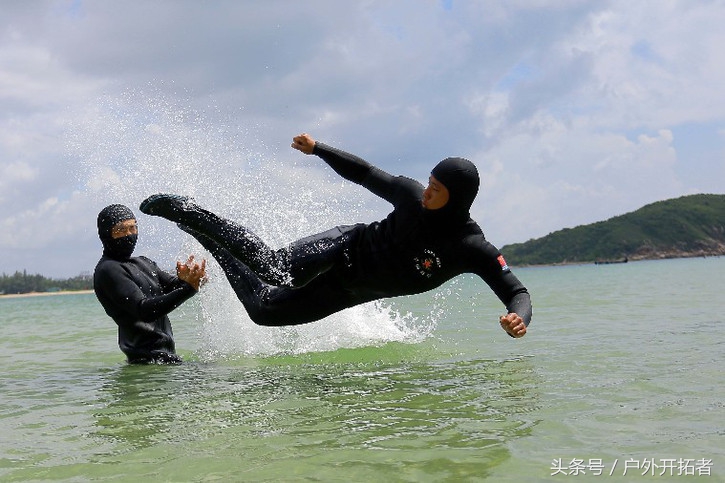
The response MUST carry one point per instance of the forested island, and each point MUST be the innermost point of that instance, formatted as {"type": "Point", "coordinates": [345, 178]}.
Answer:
{"type": "Point", "coordinates": [689, 226]}
{"type": "Point", "coordinates": [22, 282]}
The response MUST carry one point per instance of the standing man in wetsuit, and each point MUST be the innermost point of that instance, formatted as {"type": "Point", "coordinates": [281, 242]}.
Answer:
{"type": "Point", "coordinates": [425, 241]}
{"type": "Point", "coordinates": [136, 293]}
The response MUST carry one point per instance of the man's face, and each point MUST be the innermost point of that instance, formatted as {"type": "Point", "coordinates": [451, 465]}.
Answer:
{"type": "Point", "coordinates": [436, 195]}
{"type": "Point", "coordinates": [124, 228]}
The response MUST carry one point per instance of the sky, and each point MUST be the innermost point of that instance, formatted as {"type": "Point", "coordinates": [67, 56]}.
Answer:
{"type": "Point", "coordinates": [573, 111]}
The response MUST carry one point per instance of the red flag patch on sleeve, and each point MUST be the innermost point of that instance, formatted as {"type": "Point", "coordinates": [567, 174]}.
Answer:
{"type": "Point", "coordinates": [502, 262]}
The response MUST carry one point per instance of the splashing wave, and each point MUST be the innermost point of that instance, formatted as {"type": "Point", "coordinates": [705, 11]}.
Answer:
{"type": "Point", "coordinates": [141, 143]}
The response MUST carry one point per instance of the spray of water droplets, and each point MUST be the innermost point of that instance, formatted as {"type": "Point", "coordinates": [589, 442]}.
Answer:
{"type": "Point", "coordinates": [141, 143]}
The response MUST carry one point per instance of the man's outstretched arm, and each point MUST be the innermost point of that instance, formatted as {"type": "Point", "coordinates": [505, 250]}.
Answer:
{"type": "Point", "coordinates": [356, 169]}
{"type": "Point", "coordinates": [347, 165]}
{"type": "Point", "coordinates": [492, 268]}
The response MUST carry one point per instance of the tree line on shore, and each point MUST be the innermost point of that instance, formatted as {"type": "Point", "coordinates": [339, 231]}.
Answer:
{"type": "Point", "coordinates": [22, 282]}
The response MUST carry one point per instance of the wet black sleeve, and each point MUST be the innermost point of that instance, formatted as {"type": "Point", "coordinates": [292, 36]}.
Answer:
{"type": "Point", "coordinates": [349, 166]}
{"type": "Point", "coordinates": [176, 292]}
{"type": "Point", "coordinates": [151, 308]}
{"type": "Point", "coordinates": [118, 289]}
{"type": "Point", "coordinates": [491, 267]}
{"type": "Point", "coordinates": [353, 168]}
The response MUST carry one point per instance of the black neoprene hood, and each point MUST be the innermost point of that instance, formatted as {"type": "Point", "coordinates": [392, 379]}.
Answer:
{"type": "Point", "coordinates": [460, 177]}
{"type": "Point", "coordinates": [110, 216]}
{"type": "Point", "coordinates": [118, 248]}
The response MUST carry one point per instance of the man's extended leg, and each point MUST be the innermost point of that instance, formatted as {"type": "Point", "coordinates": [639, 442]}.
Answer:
{"type": "Point", "coordinates": [273, 266]}
{"type": "Point", "coordinates": [250, 289]}
{"type": "Point", "coordinates": [275, 306]}
{"type": "Point", "coordinates": [296, 265]}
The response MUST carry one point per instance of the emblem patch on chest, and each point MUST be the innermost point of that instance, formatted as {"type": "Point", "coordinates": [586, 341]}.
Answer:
{"type": "Point", "coordinates": [427, 263]}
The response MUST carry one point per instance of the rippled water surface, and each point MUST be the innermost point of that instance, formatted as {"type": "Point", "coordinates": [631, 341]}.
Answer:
{"type": "Point", "coordinates": [621, 373]}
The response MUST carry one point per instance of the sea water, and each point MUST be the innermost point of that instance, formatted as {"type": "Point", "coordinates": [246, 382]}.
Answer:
{"type": "Point", "coordinates": [621, 373]}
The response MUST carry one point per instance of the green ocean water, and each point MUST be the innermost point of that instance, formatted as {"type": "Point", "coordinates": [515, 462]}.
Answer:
{"type": "Point", "coordinates": [621, 373]}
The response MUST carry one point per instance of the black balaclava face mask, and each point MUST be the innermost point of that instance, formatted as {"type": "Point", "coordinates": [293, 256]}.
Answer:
{"type": "Point", "coordinates": [116, 248]}
{"type": "Point", "coordinates": [460, 177]}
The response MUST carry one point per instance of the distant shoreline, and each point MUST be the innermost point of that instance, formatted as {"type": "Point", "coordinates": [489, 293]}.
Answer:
{"type": "Point", "coordinates": [41, 294]}
{"type": "Point", "coordinates": [659, 256]}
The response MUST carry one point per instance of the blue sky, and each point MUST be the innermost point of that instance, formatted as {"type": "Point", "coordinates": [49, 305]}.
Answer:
{"type": "Point", "coordinates": [573, 111]}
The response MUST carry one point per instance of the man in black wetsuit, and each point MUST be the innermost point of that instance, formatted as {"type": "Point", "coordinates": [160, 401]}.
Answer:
{"type": "Point", "coordinates": [136, 293]}
{"type": "Point", "coordinates": [426, 240]}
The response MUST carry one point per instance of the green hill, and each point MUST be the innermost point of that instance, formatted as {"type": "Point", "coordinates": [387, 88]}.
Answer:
{"type": "Point", "coordinates": [683, 227]}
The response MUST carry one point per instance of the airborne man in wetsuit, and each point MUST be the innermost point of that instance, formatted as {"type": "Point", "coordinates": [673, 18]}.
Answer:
{"type": "Point", "coordinates": [425, 241]}
{"type": "Point", "coordinates": [136, 293]}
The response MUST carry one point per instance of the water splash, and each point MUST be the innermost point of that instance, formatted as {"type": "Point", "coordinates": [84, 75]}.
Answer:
{"type": "Point", "coordinates": [132, 146]}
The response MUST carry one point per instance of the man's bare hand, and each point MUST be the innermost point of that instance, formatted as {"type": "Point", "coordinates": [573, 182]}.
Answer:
{"type": "Point", "coordinates": [191, 272]}
{"type": "Point", "coordinates": [513, 325]}
{"type": "Point", "coordinates": [304, 143]}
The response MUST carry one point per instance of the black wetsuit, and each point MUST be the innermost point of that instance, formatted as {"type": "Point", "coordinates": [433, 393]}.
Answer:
{"type": "Point", "coordinates": [135, 293]}
{"type": "Point", "coordinates": [138, 295]}
{"type": "Point", "coordinates": [411, 251]}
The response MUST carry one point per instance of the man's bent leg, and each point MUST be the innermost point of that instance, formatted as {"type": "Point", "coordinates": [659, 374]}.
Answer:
{"type": "Point", "coordinates": [316, 254]}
